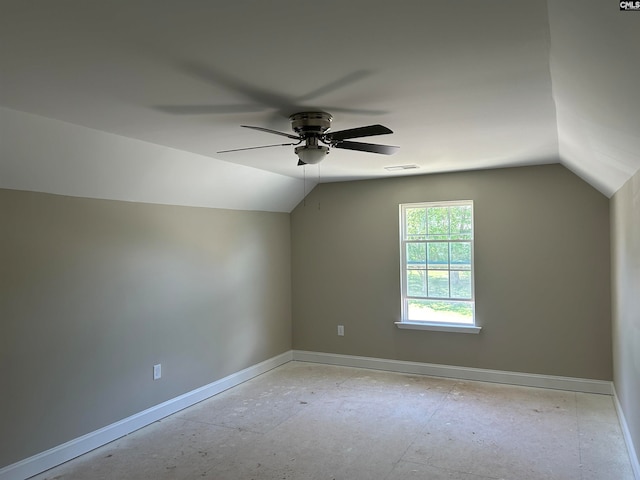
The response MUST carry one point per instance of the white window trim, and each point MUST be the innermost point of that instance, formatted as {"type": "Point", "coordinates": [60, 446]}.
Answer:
{"type": "Point", "coordinates": [439, 327]}
{"type": "Point", "coordinates": [430, 325]}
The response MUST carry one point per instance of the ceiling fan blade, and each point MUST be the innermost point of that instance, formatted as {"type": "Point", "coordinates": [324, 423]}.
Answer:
{"type": "Point", "coordinates": [268, 130]}
{"type": "Point", "coordinates": [208, 109]}
{"type": "Point", "coordinates": [355, 111]}
{"type": "Point", "coordinates": [367, 147]}
{"type": "Point", "coordinates": [368, 131]}
{"type": "Point", "coordinates": [255, 148]}
{"type": "Point", "coordinates": [219, 78]}
{"type": "Point", "coordinates": [330, 87]}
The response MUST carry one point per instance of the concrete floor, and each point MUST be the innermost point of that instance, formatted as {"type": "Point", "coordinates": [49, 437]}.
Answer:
{"type": "Point", "coordinates": [309, 421]}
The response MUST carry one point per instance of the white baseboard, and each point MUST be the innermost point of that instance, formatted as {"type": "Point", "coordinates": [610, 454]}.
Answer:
{"type": "Point", "coordinates": [465, 373]}
{"type": "Point", "coordinates": [633, 457]}
{"type": "Point", "coordinates": [62, 453]}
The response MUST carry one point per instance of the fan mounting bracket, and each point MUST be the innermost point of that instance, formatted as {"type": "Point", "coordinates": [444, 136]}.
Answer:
{"type": "Point", "coordinates": [311, 124]}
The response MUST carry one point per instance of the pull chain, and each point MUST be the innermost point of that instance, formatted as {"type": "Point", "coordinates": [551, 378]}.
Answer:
{"type": "Point", "coordinates": [318, 186]}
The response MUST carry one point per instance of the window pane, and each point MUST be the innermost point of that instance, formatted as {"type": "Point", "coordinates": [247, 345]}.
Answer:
{"type": "Point", "coordinates": [416, 222]}
{"type": "Point", "coordinates": [438, 255]}
{"type": "Point", "coordinates": [461, 284]}
{"type": "Point", "coordinates": [461, 255]}
{"type": "Point", "coordinates": [416, 255]}
{"type": "Point", "coordinates": [438, 283]}
{"type": "Point", "coordinates": [416, 283]}
{"type": "Point", "coordinates": [461, 225]}
{"type": "Point", "coordinates": [438, 223]}
{"type": "Point", "coordinates": [440, 311]}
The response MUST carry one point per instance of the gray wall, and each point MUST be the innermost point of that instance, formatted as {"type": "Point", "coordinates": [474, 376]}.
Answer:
{"type": "Point", "coordinates": [625, 247]}
{"type": "Point", "coordinates": [542, 272]}
{"type": "Point", "coordinates": [93, 293]}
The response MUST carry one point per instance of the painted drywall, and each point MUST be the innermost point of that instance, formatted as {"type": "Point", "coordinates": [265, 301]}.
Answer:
{"type": "Point", "coordinates": [51, 156]}
{"type": "Point", "coordinates": [542, 272]}
{"type": "Point", "coordinates": [93, 293]}
{"type": "Point", "coordinates": [625, 264]}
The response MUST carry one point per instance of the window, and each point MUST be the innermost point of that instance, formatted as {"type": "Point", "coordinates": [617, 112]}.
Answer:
{"type": "Point", "coordinates": [436, 251]}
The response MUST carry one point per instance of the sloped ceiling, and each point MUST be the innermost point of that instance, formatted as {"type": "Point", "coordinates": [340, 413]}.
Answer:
{"type": "Point", "coordinates": [595, 71]}
{"type": "Point", "coordinates": [132, 99]}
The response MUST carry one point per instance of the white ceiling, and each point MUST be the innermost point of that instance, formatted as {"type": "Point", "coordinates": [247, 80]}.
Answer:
{"type": "Point", "coordinates": [464, 85]}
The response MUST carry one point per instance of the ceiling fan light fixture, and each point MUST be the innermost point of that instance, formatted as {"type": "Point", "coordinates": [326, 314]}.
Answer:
{"type": "Point", "coordinates": [311, 154]}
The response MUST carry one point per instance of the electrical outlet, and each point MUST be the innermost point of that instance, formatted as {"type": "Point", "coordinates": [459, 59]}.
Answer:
{"type": "Point", "coordinates": [157, 371]}
{"type": "Point", "coordinates": [341, 330]}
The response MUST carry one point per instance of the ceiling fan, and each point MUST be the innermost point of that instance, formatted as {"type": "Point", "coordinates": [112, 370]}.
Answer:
{"type": "Point", "coordinates": [313, 132]}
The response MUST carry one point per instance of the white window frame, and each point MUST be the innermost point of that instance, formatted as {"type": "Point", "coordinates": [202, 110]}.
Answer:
{"type": "Point", "coordinates": [433, 324]}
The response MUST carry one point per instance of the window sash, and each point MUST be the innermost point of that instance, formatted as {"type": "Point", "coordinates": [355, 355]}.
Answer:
{"type": "Point", "coordinates": [451, 267]}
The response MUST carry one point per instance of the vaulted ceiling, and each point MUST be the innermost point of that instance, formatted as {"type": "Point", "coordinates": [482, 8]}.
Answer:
{"type": "Point", "coordinates": [133, 99]}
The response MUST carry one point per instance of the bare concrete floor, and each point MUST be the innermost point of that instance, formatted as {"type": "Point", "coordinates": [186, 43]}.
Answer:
{"type": "Point", "coordinates": [309, 421]}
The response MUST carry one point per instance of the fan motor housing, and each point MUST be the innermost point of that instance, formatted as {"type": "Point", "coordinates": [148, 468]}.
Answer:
{"type": "Point", "coordinates": [311, 123]}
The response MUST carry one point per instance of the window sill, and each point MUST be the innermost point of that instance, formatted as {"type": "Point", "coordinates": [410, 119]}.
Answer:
{"type": "Point", "coordinates": [439, 327]}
